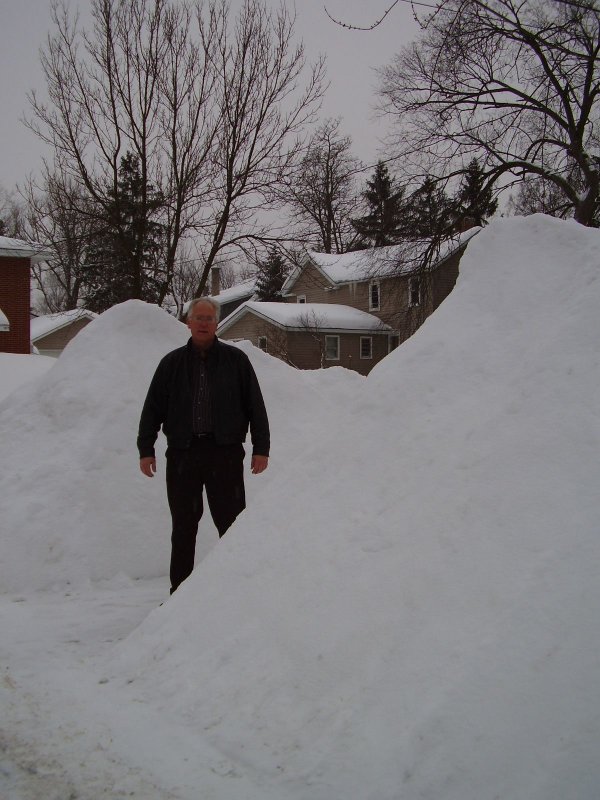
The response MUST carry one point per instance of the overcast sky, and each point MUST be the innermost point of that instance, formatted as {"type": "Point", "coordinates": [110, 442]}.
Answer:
{"type": "Point", "coordinates": [351, 58]}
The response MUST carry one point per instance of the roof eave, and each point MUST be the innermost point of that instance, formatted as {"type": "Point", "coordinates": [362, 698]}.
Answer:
{"type": "Point", "coordinates": [85, 315]}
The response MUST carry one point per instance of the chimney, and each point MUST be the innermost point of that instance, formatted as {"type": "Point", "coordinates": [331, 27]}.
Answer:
{"type": "Point", "coordinates": [215, 281]}
{"type": "Point", "coordinates": [465, 224]}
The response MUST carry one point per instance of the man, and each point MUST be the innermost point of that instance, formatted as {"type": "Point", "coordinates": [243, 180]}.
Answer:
{"type": "Point", "coordinates": [205, 396]}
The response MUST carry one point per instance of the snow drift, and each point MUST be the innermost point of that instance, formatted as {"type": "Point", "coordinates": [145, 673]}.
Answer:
{"type": "Point", "coordinates": [408, 607]}
{"type": "Point", "coordinates": [17, 369]}
{"type": "Point", "coordinates": [73, 504]}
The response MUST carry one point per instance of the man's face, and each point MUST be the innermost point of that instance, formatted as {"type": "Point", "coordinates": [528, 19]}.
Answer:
{"type": "Point", "coordinates": [202, 324]}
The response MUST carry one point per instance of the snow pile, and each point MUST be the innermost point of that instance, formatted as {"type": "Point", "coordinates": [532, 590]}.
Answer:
{"type": "Point", "coordinates": [410, 609]}
{"type": "Point", "coordinates": [16, 370]}
{"type": "Point", "coordinates": [73, 503]}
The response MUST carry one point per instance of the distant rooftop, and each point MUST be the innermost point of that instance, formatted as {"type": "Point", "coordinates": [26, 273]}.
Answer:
{"type": "Point", "coordinates": [299, 316]}
{"type": "Point", "coordinates": [17, 248]}
{"type": "Point", "coordinates": [48, 323]}
{"type": "Point", "coordinates": [360, 265]}
{"type": "Point", "coordinates": [244, 289]}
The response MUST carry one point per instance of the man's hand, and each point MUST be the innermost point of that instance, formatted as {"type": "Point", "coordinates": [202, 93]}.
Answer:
{"type": "Point", "coordinates": [148, 465]}
{"type": "Point", "coordinates": [259, 464]}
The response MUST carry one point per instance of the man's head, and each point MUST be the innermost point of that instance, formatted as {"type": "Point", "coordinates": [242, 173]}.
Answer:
{"type": "Point", "coordinates": [202, 318]}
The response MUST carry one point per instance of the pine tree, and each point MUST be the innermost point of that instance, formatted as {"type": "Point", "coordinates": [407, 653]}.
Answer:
{"type": "Point", "coordinates": [428, 212]}
{"type": "Point", "coordinates": [472, 200]}
{"type": "Point", "coordinates": [381, 225]}
{"type": "Point", "coordinates": [270, 278]}
{"type": "Point", "coordinates": [123, 260]}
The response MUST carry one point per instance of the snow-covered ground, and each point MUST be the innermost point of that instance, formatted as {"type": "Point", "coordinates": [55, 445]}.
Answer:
{"type": "Point", "coordinates": [16, 370]}
{"type": "Point", "coordinates": [408, 607]}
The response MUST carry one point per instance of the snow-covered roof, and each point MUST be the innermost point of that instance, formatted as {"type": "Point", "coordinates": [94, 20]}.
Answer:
{"type": "Point", "coordinates": [17, 248]}
{"type": "Point", "coordinates": [4, 324]}
{"type": "Point", "coordinates": [360, 265]}
{"type": "Point", "coordinates": [299, 316]}
{"type": "Point", "coordinates": [237, 292]}
{"type": "Point", "coordinates": [49, 323]}
{"type": "Point", "coordinates": [244, 289]}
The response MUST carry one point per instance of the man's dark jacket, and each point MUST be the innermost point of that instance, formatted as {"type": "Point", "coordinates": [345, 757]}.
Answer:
{"type": "Point", "coordinates": [237, 401]}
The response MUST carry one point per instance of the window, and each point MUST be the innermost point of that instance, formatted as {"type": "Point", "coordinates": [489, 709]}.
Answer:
{"type": "Point", "coordinates": [301, 298]}
{"type": "Point", "coordinates": [374, 296]}
{"type": "Point", "coordinates": [366, 347]}
{"type": "Point", "coordinates": [262, 343]}
{"type": "Point", "coordinates": [414, 291]}
{"type": "Point", "coordinates": [393, 342]}
{"type": "Point", "coordinates": [332, 348]}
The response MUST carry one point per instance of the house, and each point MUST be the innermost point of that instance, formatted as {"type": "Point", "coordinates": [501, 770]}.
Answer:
{"type": "Point", "coordinates": [389, 282]}
{"type": "Point", "coordinates": [16, 257]}
{"type": "Point", "coordinates": [51, 333]}
{"type": "Point", "coordinates": [388, 285]}
{"type": "Point", "coordinates": [311, 335]}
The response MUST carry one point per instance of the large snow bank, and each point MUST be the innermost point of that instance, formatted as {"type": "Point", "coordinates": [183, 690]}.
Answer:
{"type": "Point", "coordinates": [407, 609]}
{"type": "Point", "coordinates": [410, 609]}
{"type": "Point", "coordinates": [17, 369]}
{"type": "Point", "coordinates": [73, 504]}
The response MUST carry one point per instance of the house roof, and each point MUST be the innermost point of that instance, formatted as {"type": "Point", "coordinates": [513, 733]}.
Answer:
{"type": "Point", "coordinates": [244, 289]}
{"type": "Point", "coordinates": [16, 248]}
{"type": "Point", "coordinates": [361, 265]}
{"type": "Point", "coordinates": [300, 316]}
{"type": "Point", "coordinates": [237, 292]}
{"type": "Point", "coordinates": [4, 324]}
{"type": "Point", "coordinates": [49, 323]}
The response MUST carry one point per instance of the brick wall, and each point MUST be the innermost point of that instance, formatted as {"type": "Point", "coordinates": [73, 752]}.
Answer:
{"type": "Point", "coordinates": [14, 302]}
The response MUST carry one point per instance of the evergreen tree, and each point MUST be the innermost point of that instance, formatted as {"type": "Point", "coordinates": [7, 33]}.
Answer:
{"type": "Point", "coordinates": [123, 260]}
{"type": "Point", "coordinates": [381, 225]}
{"type": "Point", "coordinates": [471, 200]}
{"type": "Point", "coordinates": [428, 213]}
{"type": "Point", "coordinates": [271, 275]}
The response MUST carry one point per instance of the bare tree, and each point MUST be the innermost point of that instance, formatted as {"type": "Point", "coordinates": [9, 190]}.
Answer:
{"type": "Point", "coordinates": [512, 84]}
{"type": "Point", "coordinates": [322, 192]}
{"type": "Point", "coordinates": [11, 215]}
{"type": "Point", "coordinates": [60, 216]}
{"type": "Point", "coordinates": [537, 195]}
{"type": "Point", "coordinates": [264, 103]}
{"type": "Point", "coordinates": [212, 108]}
{"type": "Point", "coordinates": [135, 83]}
{"type": "Point", "coordinates": [313, 324]}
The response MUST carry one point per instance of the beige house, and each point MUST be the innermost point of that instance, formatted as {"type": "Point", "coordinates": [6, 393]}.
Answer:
{"type": "Point", "coordinates": [51, 333]}
{"type": "Point", "coordinates": [311, 335]}
{"type": "Point", "coordinates": [389, 282]}
{"type": "Point", "coordinates": [389, 286]}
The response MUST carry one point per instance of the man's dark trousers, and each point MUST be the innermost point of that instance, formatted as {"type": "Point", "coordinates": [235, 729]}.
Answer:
{"type": "Point", "coordinates": [204, 464]}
